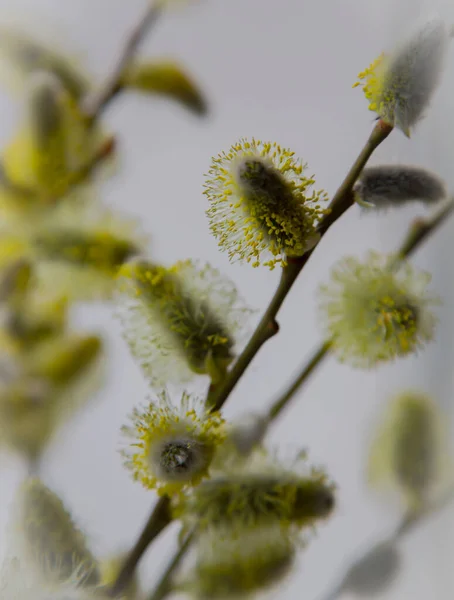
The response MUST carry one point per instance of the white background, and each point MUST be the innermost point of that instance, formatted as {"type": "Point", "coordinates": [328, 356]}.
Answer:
{"type": "Point", "coordinates": [281, 71]}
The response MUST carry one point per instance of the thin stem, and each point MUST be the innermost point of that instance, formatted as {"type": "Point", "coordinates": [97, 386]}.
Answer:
{"type": "Point", "coordinates": [302, 376]}
{"type": "Point", "coordinates": [344, 197]}
{"type": "Point", "coordinates": [413, 519]}
{"type": "Point", "coordinates": [86, 170]}
{"type": "Point", "coordinates": [266, 329]}
{"type": "Point", "coordinates": [423, 228]}
{"type": "Point", "coordinates": [165, 583]}
{"type": "Point", "coordinates": [158, 520]}
{"type": "Point", "coordinates": [97, 103]}
{"type": "Point", "coordinates": [33, 465]}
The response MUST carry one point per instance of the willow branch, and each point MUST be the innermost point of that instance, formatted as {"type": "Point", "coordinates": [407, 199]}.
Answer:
{"type": "Point", "coordinates": [157, 521]}
{"type": "Point", "coordinates": [422, 228]}
{"type": "Point", "coordinates": [87, 169]}
{"type": "Point", "coordinates": [164, 586]}
{"type": "Point", "coordinates": [408, 523]}
{"type": "Point", "coordinates": [341, 201]}
{"type": "Point", "coordinates": [96, 104]}
{"type": "Point", "coordinates": [302, 376]}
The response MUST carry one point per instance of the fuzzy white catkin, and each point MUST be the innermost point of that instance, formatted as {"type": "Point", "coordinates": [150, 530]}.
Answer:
{"type": "Point", "coordinates": [415, 70]}
{"type": "Point", "coordinates": [388, 186]}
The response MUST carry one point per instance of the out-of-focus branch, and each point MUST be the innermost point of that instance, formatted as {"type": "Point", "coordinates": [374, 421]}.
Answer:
{"type": "Point", "coordinates": [165, 583]}
{"type": "Point", "coordinates": [422, 228]}
{"type": "Point", "coordinates": [86, 170]}
{"type": "Point", "coordinates": [302, 376]}
{"type": "Point", "coordinates": [408, 523]}
{"type": "Point", "coordinates": [96, 103]}
{"type": "Point", "coordinates": [159, 518]}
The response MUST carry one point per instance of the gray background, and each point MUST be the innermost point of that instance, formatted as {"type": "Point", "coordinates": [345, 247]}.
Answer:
{"type": "Point", "coordinates": [281, 71]}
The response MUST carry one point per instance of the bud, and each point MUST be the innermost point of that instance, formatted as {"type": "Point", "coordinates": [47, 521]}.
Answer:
{"type": "Point", "coordinates": [410, 449]}
{"type": "Point", "coordinates": [77, 250]}
{"type": "Point", "coordinates": [400, 85]}
{"type": "Point", "coordinates": [179, 321]}
{"type": "Point", "coordinates": [262, 206]}
{"type": "Point", "coordinates": [388, 186]}
{"type": "Point", "coordinates": [165, 78]}
{"type": "Point", "coordinates": [61, 360]}
{"type": "Point", "coordinates": [56, 378]}
{"type": "Point", "coordinates": [43, 141]}
{"type": "Point", "coordinates": [375, 572]}
{"type": "Point", "coordinates": [46, 539]}
{"type": "Point", "coordinates": [236, 565]}
{"type": "Point", "coordinates": [374, 314]}
{"type": "Point", "coordinates": [15, 280]}
{"type": "Point", "coordinates": [33, 320]}
{"type": "Point", "coordinates": [49, 157]}
{"type": "Point", "coordinates": [28, 55]}
{"type": "Point", "coordinates": [27, 417]}
{"type": "Point", "coordinates": [172, 447]}
{"type": "Point", "coordinates": [260, 492]}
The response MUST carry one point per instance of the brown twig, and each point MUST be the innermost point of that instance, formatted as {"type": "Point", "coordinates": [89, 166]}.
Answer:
{"type": "Point", "coordinates": [95, 104]}
{"type": "Point", "coordinates": [157, 521]}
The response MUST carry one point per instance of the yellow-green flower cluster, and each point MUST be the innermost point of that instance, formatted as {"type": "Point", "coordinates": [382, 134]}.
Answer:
{"type": "Point", "coordinates": [375, 314]}
{"type": "Point", "coordinates": [263, 207]}
{"type": "Point", "coordinates": [24, 54]}
{"type": "Point", "coordinates": [239, 566]}
{"type": "Point", "coordinates": [47, 371]}
{"type": "Point", "coordinates": [45, 387]}
{"type": "Point", "coordinates": [49, 153]}
{"type": "Point", "coordinates": [179, 321]}
{"type": "Point", "coordinates": [410, 449]}
{"type": "Point", "coordinates": [171, 447]}
{"type": "Point", "coordinates": [49, 207]}
{"type": "Point", "coordinates": [76, 251]}
{"type": "Point", "coordinates": [400, 85]}
{"type": "Point", "coordinates": [47, 556]}
{"type": "Point", "coordinates": [248, 517]}
{"type": "Point", "coordinates": [260, 490]}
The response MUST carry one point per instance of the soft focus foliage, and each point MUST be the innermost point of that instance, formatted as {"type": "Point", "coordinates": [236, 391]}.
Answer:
{"type": "Point", "coordinates": [410, 450]}
{"type": "Point", "coordinates": [165, 78]}
{"type": "Point", "coordinates": [77, 251]}
{"type": "Point", "coordinates": [47, 556]}
{"type": "Point", "coordinates": [27, 55]}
